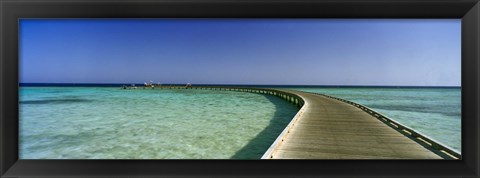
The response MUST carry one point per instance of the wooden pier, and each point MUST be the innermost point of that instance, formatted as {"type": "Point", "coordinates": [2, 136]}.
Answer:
{"type": "Point", "coordinates": [326, 127]}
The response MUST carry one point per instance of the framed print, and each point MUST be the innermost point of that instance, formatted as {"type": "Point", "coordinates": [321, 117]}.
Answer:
{"type": "Point", "coordinates": [247, 88]}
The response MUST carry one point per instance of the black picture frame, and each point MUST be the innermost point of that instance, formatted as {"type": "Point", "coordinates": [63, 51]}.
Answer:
{"type": "Point", "coordinates": [12, 10]}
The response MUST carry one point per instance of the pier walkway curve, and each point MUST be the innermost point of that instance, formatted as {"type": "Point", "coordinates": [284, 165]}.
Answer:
{"type": "Point", "coordinates": [326, 127]}
{"type": "Point", "coordinates": [332, 128]}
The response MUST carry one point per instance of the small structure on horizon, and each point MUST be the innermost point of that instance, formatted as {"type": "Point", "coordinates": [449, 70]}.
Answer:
{"type": "Point", "coordinates": [149, 84]}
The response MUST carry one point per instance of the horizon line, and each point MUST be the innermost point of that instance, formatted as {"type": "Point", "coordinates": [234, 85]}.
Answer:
{"type": "Point", "coordinates": [40, 83]}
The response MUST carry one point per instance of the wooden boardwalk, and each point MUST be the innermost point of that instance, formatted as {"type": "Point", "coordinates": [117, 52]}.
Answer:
{"type": "Point", "coordinates": [332, 129]}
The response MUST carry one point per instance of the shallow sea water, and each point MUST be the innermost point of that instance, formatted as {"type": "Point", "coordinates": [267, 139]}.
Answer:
{"type": "Point", "coordinates": [110, 123]}
{"type": "Point", "coordinates": [435, 112]}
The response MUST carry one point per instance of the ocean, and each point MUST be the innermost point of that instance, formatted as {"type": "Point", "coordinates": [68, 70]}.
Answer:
{"type": "Point", "coordinates": [106, 122]}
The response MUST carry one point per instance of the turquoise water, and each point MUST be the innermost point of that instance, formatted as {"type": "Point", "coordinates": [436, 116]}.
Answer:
{"type": "Point", "coordinates": [435, 112]}
{"type": "Point", "coordinates": [110, 123]}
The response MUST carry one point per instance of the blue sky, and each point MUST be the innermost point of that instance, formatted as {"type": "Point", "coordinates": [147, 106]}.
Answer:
{"type": "Point", "coordinates": [400, 52]}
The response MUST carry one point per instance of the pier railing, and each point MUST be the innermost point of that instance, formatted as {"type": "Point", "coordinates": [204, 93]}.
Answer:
{"type": "Point", "coordinates": [433, 145]}
{"type": "Point", "coordinates": [290, 97]}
